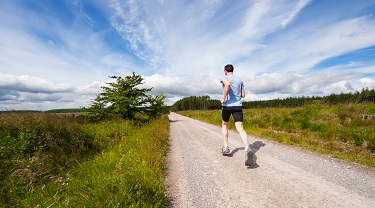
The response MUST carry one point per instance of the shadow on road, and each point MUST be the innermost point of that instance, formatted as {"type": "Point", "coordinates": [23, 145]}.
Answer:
{"type": "Point", "coordinates": [234, 151]}
{"type": "Point", "coordinates": [254, 147]}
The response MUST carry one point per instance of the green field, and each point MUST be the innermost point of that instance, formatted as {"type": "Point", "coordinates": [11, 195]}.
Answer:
{"type": "Point", "coordinates": [336, 130]}
{"type": "Point", "coordinates": [54, 160]}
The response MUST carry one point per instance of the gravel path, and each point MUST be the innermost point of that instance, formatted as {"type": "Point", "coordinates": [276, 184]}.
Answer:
{"type": "Point", "coordinates": [282, 176]}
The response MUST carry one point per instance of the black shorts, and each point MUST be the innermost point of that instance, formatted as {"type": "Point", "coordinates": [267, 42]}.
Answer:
{"type": "Point", "coordinates": [236, 111]}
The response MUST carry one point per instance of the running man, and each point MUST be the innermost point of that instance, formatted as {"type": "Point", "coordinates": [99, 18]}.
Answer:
{"type": "Point", "coordinates": [233, 92]}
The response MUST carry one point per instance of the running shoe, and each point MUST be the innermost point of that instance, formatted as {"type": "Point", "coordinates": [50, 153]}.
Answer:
{"type": "Point", "coordinates": [225, 150]}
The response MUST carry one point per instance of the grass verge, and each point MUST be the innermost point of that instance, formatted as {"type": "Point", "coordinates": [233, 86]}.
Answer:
{"type": "Point", "coordinates": [125, 166]}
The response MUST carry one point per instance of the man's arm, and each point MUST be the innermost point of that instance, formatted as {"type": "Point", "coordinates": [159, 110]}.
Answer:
{"type": "Point", "coordinates": [226, 90]}
{"type": "Point", "coordinates": [242, 92]}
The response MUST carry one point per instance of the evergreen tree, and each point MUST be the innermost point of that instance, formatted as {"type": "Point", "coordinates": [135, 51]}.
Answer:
{"type": "Point", "coordinates": [123, 97]}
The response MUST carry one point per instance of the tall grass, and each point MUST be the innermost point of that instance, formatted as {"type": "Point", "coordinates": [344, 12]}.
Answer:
{"type": "Point", "coordinates": [337, 130]}
{"type": "Point", "coordinates": [53, 161]}
{"type": "Point", "coordinates": [34, 148]}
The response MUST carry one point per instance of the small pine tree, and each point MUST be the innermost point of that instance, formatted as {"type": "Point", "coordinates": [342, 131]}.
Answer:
{"type": "Point", "coordinates": [124, 98]}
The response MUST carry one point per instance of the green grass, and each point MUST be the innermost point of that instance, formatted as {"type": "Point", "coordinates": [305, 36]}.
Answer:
{"type": "Point", "coordinates": [336, 130]}
{"type": "Point", "coordinates": [53, 161]}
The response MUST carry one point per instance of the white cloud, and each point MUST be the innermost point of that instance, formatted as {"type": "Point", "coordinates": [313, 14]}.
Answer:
{"type": "Point", "coordinates": [318, 84]}
{"type": "Point", "coordinates": [26, 83]}
{"type": "Point", "coordinates": [90, 89]}
{"type": "Point", "coordinates": [18, 92]}
{"type": "Point", "coordinates": [303, 47]}
{"type": "Point", "coordinates": [178, 86]}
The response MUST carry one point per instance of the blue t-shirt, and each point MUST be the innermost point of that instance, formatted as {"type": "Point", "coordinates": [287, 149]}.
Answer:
{"type": "Point", "coordinates": [234, 94]}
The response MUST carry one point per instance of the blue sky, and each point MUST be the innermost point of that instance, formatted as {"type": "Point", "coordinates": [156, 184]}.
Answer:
{"type": "Point", "coordinates": [57, 53]}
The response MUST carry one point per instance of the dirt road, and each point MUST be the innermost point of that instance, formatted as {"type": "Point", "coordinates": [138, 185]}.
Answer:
{"type": "Point", "coordinates": [282, 176]}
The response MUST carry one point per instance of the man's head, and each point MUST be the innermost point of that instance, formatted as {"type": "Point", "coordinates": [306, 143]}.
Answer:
{"type": "Point", "coordinates": [229, 68]}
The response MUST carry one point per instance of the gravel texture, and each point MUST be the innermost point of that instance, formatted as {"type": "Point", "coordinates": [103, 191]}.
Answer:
{"type": "Point", "coordinates": [281, 176]}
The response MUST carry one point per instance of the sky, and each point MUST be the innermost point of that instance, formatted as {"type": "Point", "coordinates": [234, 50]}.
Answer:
{"type": "Point", "coordinates": [59, 53]}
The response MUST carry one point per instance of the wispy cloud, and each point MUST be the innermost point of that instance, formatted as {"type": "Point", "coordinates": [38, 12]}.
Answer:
{"type": "Point", "coordinates": [210, 44]}
{"type": "Point", "coordinates": [293, 13]}
{"type": "Point", "coordinates": [301, 48]}
{"type": "Point", "coordinates": [130, 21]}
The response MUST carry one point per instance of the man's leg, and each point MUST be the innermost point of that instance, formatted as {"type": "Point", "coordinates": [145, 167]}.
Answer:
{"type": "Point", "coordinates": [242, 132]}
{"type": "Point", "coordinates": [225, 150]}
{"type": "Point", "coordinates": [225, 115]}
{"type": "Point", "coordinates": [248, 153]}
{"type": "Point", "coordinates": [224, 130]}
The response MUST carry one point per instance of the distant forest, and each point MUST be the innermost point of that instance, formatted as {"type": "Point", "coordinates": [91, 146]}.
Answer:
{"type": "Point", "coordinates": [68, 110]}
{"type": "Point", "coordinates": [206, 103]}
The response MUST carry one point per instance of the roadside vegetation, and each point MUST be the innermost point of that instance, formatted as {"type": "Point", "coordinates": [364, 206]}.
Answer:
{"type": "Point", "coordinates": [52, 160]}
{"type": "Point", "coordinates": [104, 157]}
{"type": "Point", "coordinates": [340, 130]}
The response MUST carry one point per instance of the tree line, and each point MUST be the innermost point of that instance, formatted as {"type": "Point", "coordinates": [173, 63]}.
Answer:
{"type": "Point", "coordinates": [196, 103]}
{"type": "Point", "coordinates": [206, 103]}
{"type": "Point", "coordinates": [68, 110]}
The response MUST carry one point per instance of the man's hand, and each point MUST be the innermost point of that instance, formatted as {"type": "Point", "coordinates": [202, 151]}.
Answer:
{"type": "Point", "coordinates": [222, 101]}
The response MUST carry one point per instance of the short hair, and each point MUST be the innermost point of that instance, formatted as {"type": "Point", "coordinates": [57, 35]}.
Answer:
{"type": "Point", "coordinates": [229, 68]}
